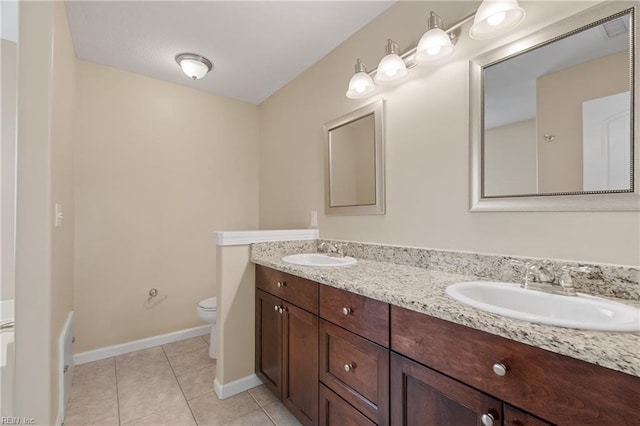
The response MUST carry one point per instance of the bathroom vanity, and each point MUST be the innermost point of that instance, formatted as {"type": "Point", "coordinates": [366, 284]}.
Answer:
{"type": "Point", "coordinates": [335, 355]}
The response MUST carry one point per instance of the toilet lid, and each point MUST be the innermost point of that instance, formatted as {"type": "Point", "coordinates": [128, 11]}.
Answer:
{"type": "Point", "coordinates": [208, 304]}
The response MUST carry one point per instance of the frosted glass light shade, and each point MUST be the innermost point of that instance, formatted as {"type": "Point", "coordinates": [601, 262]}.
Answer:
{"type": "Point", "coordinates": [361, 86]}
{"type": "Point", "coordinates": [194, 66]}
{"type": "Point", "coordinates": [433, 45]}
{"type": "Point", "coordinates": [391, 69]}
{"type": "Point", "coordinates": [494, 17]}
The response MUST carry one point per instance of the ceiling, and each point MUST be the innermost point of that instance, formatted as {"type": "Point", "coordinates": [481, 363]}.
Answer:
{"type": "Point", "coordinates": [256, 47]}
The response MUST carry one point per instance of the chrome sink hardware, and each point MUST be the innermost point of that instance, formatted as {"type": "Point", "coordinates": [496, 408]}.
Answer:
{"type": "Point", "coordinates": [336, 249]}
{"type": "Point", "coordinates": [542, 276]}
{"type": "Point", "coordinates": [500, 369]}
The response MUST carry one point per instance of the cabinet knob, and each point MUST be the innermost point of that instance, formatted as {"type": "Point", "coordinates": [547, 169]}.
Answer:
{"type": "Point", "coordinates": [349, 367]}
{"type": "Point", "coordinates": [346, 310]}
{"type": "Point", "coordinates": [487, 419]}
{"type": "Point", "coordinates": [275, 308]}
{"type": "Point", "coordinates": [282, 309]}
{"type": "Point", "coordinates": [280, 284]}
{"type": "Point", "coordinates": [500, 369]}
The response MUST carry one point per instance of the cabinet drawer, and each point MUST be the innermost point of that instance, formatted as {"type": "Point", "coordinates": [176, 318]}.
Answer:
{"type": "Point", "coordinates": [367, 317]}
{"type": "Point", "coordinates": [337, 412]}
{"type": "Point", "coordinates": [554, 387]}
{"type": "Point", "coordinates": [296, 290]}
{"type": "Point", "coordinates": [356, 369]}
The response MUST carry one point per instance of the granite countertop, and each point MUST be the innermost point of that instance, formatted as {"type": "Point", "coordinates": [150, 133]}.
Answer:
{"type": "Point", "coordinates": [423, 290]}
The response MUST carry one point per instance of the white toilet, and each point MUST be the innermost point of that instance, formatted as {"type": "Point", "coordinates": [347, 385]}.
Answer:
{"type": "Point", "coordinates": [207, 313]}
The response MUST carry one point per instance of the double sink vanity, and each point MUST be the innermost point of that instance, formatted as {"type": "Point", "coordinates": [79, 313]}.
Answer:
{"type": "Point", "coordinates": [378, 340]}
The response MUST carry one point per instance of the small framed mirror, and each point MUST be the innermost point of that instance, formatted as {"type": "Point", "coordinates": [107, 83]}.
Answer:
{"type": "Point", "coordinates": [354, 162]}
{"type": "Point", "coordinates": [553, 120]}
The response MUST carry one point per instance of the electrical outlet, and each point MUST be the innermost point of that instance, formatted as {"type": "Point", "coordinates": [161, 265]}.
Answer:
{"type": "Point", "coordinates": [59, 216]}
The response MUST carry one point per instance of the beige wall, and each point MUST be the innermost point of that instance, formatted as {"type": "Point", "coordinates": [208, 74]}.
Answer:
{"type": "Point", "coordinates": [427, 153]}
{"type": "Point", "coordinates": [8, 86]}
{"type": "Point", "coordinates": [159, 167]}
{"type": "Point", "coordinates": [510, 159]}
{"type": "Point", "coordinates": [559, 102]}
{"type": "Point", "coordinates": [44, 254]}
{"type": "Point", "coordinates": [235, 316]}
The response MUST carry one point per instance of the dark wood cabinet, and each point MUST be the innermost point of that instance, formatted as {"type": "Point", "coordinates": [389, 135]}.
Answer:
{"type": "Point", "coordinates": [422, 396]}
{"type": "Point", "coordinates": [287, 341]}
{"type": "Point", "coordinates": [356, 369]}
{"type": "Point", "coordinates": [300, 363]}
{"type": "Point", "coordinates": [269, 341]}
{"type": "Point", "coordinates": [336, 411]}
{"type": "Point", "coordinates": [364, 362]}
{"type": "Point", "coordinates": [515, 417]}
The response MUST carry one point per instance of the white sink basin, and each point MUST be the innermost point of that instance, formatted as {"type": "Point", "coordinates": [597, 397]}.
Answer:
{"type": "Point", "coordinates": [581, 311]}
{"type": "Point", "coordinates": [318, 259]}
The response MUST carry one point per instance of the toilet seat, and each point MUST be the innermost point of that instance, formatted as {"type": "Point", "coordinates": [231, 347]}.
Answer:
{"type": "Point", "coordinates": [208, 304]}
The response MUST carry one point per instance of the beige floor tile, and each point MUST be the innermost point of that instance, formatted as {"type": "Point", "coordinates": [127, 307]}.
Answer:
{"type": "Point", "coordinates": [94, 370]}
{"type": "Point", "coordinates": [180, 415]}
{"type": "Point", "coordinates": [160, 383]}
{"type": "Point", "coordinates": [211, 411]}
{"type": "Point", "coordinates": [98, 387]}
{"type": "Point", "coordinates": [254, 418]}
{"type": "Point", "coordinates": [145, 360]}
{"type": "Point", "coordinates": [184, 346]}
{"type": "Point", "coordinates": [197, 382]}
{"type": "Point", "coordinates": [144, 402]}
{"type": "Point", "coordinates": [91, 411]}
{"type": "Point", "coordinates": [279, 414]}
{"type": "Point", "coordinates": [207, 338]}
{"type": "Point", "coordinates": [192, 361]}
{"type": "Point", "coordinates": [262, 395]}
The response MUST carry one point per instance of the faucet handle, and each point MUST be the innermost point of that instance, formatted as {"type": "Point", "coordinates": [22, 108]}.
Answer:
{"type": "Point", "coordinates": [528, 274]}
{"type": "Point", "coordinates": [566, 281]}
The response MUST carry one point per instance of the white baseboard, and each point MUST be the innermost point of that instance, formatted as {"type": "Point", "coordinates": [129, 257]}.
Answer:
{"type": "Point", "coordinates": [136, 345]}
{"type": "Point", "coordinates": [235, 387]}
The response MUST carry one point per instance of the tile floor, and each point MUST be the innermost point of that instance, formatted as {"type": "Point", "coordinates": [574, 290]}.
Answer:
{"type": "Point", "coordinates": [165, 385]}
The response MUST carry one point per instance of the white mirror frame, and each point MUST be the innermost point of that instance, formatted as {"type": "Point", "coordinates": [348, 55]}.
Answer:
{"type": "Point", "coordinates": [377, 109]}
{"type": "Point", "coordinates": [621, 201]}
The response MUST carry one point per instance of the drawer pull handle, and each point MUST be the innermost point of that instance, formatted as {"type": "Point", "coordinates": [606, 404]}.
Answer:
{"type": "Point", "coordinates": [487, 419]}
{"type": "Point", "coordinates": [280, 284]}
{"type": "Point", "coordinates": [349, 367]}
{"type": "Point", "coordinates": [500, 369]}
{"type": "Point", "coordinates": [346, 310]}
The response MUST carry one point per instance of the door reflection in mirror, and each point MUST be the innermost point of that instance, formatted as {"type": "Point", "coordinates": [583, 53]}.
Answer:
{"type": "Point", "coordinates": [557, 117]}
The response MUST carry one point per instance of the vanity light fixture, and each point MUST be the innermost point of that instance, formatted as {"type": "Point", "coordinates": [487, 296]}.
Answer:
{"type": "Point", "coordinates": [194, 66]}
{"type": "Point", "coordinates": [361, 85]}
{"type": "Point", "coordinates": [493, 17]}
{"type": "Point", "coordinates": [435, 43]}
{"type": "Point", "coordinates": [391, 68]}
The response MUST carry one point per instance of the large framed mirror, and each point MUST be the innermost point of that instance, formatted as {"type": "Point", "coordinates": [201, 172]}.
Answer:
{"type": "Point", "coordinates": [354, 162]}
{"type": "Point", "coordinates": [553, 117]}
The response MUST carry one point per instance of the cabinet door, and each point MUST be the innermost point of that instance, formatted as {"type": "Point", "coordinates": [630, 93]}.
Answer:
{"type": "Point", "coordinates": [300, 363]}
{"type": "Point", "coordinates": [269, 341]}
{"type": "Point", "coordinates": [335, 411]}
{"type": "Point", "coordinates": [515, 417]}
{"type": "Point", "coordinates": [421, 396]}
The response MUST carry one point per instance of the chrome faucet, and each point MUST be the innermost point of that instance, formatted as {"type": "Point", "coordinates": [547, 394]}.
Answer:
{"type": "Point", "coordinates": [542, 276]}
{"type": "Point", "coordinates": [336, 249]}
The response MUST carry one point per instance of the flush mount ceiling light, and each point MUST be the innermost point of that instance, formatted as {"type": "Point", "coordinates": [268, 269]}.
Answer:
{"type": "Point", "coordinates": [435, 43]}
{"type": "Point", "coordinates": [361, 85]}
{"type": "Point", "coordinates": [194, 66]}
{"type": "Point", "coordinates": [494, 17]}
{"type": "Point", "coordinates": [391, 68]}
